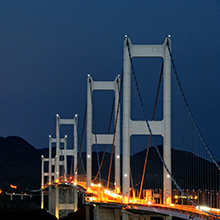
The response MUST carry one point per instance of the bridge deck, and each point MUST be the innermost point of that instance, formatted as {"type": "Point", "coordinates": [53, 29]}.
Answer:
{"type": "Point", "coordinates": [98, 194]}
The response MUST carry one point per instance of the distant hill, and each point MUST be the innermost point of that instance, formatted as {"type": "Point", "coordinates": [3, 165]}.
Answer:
{"type": "Point", "coordinates": [189, 170]}
{"type": "Point", "coordinates": [19, 164]}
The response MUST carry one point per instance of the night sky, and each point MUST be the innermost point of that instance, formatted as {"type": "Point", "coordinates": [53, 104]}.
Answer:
{"type": "Point", "coordinates": [47, 49]}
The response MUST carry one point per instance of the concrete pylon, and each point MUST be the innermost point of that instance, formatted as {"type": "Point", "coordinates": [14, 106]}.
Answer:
{"type": "Point", "coordinates": [102, 138]}
{"type": "Point", "coordinates": [66, 152]}
{"type": "Point", "coordinates": [131, 127]}
{"type": "Point", "coordinates": [42, 181]}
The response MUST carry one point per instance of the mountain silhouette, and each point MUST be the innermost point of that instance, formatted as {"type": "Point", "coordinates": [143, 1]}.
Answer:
{"type": "Point", "coordinates": [19, 164]}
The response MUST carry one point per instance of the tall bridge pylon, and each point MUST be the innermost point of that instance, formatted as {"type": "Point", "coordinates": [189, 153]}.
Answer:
{"type": "Point", "coordinates": [102, 138]}
{"type": "Point", "coordinates": [162, 127]}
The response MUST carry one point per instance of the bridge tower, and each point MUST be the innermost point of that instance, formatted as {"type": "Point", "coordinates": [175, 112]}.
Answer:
{"type": "Point", "coordinates": [49, 174]}
{"type": "Point", "coordinates": [60, 193]}
{"type": "Point", "coordinates": [131, 127]}
{"type": "Point", "coordinates": [102, 138]}
{"type": "Point", "coordinates": [61, 197]}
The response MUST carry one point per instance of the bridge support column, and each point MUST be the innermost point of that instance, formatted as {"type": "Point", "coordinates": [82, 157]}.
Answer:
{"type": "Point", "coordinates": [42, 181]}
{"type": "Point", "coordinates": [100, 213]}
{"type": "Point", "coordinates": [96, 212]}
{"type": "Point", "coordinates": [42, 199]}
{"type": "Point", "coordinates": [75, 200]}
{"type": "Point", "coordinates": [126, 127]}
{"type": "Point", "coordinates": [117, 137]}
{"type": "Point", "coordinates": [167, 183]}
{"type": "Point", "coordinates": [62, 201]}
{"type": "Point", "coordinates": [125, 216]}
{"type": "Point", "coordinates": [117, 214]}
{"type": "Point", "coordinates": [89, 139]}
{"type": "Point", "coordinates": [57, 202]}
{"type": "Point", "coordinates": [145, 218]}
{"type": "Point", "coordinates": [51, 201]}
{"type": "Point", "coordinates": [67, 201]}
{"type": "Point", "coordinates": [57, 159]}
{"type": "Point", "coordinates": [87, 212]}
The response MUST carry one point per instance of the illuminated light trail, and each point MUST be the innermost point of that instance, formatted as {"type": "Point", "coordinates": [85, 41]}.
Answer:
{"type": "Point", "coordinates": [13, 186]}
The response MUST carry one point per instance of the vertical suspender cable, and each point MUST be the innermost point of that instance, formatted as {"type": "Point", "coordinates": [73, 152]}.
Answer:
{"type": "Point", "coordinates": [116, 121]}
{"type": "Point", "coordinates": [97, 155]}
{"type": "Point", "coordinates": [155, 107]}
{"type": "Point", "coordinates": [109, 127]}
{"type": "Point", "coordinates": [189, 111]}
{"type": "Point", "coordinates": [81, 142]}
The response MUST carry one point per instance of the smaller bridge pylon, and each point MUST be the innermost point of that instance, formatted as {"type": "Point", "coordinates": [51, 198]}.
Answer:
{"type": "Point", "coordinates": [103, 138]}
{"type": "Point", "coordinates": [61, 195]}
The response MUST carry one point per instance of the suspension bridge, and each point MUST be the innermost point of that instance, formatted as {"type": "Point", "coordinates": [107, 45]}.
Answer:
{"type": "Point", "coordinates": [183, 181]}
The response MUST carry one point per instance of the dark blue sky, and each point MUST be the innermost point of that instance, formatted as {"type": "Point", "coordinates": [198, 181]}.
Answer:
{"type": "Point", "coordinates": [47, 49]}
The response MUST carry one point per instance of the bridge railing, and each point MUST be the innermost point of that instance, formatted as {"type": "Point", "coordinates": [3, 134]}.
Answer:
{"type": "Point", "coordinates": [209, 198]}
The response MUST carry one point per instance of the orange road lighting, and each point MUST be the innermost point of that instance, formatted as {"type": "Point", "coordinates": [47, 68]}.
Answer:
{"type": "Point", "coordinates": [14, 187]}
{"type": "Point", "coordinates": [125, 199]}
{"type": "Point", "coordinates": [1, 191]}
{"type": "Point", "coordinates": [89, 190]}
{"type": "Point", "coordinates": [118, 189]}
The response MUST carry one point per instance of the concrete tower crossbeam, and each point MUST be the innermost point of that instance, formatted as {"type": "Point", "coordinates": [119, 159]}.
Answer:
{"type": "Point", "coordinates": [140, 127]}
{"type": "Point", "coordinates": [102, 138]}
